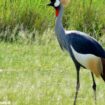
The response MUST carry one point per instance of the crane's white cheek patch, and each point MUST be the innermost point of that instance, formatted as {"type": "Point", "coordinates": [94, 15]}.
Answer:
{"type": "Point", "coordinates": [57, 3]}
{"type": "Point", "coordinates": [89, 61]}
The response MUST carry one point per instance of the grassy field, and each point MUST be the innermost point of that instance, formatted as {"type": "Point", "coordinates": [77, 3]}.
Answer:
{"type": "Point", "coordinates": [41, 74]}
{"type": "Point", "coordinates": [33, 69]}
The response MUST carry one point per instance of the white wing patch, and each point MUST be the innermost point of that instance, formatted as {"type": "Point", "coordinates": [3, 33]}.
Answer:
{"type": "Point", "coordinates": [81, 58]}
{"type": "Point", "coordinates": [57, 3]}
{"type": "Point", "coordinates": [89, 61]}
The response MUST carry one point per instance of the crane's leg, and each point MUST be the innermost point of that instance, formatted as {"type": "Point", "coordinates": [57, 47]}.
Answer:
{"type": "Point", "coordinates": [94, 87]}
{"type": "Point", "coordinates": [77, 85]}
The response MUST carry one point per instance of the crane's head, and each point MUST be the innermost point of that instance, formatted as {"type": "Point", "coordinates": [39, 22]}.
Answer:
{"type": "Point", "coordinates": [56, 4]}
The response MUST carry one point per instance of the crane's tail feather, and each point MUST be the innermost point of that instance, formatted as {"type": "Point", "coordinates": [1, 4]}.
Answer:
{"type": "Point", "coordinates": [103, 64]}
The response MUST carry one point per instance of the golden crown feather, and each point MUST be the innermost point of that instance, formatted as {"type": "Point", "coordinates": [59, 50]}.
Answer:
{"type": "Point", "coordinates": [65, 2]}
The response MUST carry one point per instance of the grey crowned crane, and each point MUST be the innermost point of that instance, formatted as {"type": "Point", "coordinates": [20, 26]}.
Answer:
{"type": "Point", "coordinates": [84, 50]}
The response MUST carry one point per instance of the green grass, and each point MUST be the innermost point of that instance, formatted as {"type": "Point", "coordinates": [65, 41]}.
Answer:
{"type": "Point", "coordinates": [35, 15]}
{"type": "Point", "coordinates": [41, 74]}
{"type": "Point", "coordinates": [28, 13]}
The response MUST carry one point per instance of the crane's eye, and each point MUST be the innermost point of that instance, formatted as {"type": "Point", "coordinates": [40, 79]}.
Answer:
{"type": "Point", "coordinates": [57, 3]}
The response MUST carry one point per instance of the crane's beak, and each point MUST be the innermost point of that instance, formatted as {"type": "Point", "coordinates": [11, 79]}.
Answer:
{"type": "Point", "coordinates": [50, 4]}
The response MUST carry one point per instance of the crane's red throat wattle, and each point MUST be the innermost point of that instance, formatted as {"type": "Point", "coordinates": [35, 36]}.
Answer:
{"type": "Point", "coordinates": [57, 12]}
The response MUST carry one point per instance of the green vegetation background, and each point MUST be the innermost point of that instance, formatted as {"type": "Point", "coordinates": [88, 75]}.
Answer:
{"type": "Point", "coordinates": [34, 15]}
{"type": "Point", "coordinates": [37, 72]}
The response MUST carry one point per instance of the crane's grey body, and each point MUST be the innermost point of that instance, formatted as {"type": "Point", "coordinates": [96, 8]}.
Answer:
{"type": "Point", "coordinates": [81, 42]}
{"type": "Point", "coordinates": [61, 34]}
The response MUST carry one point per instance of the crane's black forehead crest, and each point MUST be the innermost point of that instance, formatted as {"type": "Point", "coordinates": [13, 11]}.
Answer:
{"type": "Point", "coordinates": [53, 1]}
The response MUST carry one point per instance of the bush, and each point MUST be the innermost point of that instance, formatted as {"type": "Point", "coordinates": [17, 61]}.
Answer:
{"type": "Point", "coordinates": [34, 15]}
{"type": "Point", "coordinates": [87, 16]}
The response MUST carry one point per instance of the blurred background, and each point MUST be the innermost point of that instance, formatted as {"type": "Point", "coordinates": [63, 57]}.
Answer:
{"type": "Point", "coordinates": [31, 17]}
{"type": "Point", "coordinates": [33, 69]}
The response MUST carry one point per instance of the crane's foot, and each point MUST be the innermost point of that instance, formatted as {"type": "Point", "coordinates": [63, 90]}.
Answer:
{"type": "Point", "coordinates": [76, 94]}
{"type": "Point", "coordinates": [95, 98]}
{"type": "Point", "coordinates": [94, 89]}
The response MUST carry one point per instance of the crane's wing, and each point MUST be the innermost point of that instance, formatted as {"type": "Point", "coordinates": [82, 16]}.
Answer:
{"type": "Point", "coordinates": [85, 44]}
{"type": "Point", "coordinates": [88, 52]}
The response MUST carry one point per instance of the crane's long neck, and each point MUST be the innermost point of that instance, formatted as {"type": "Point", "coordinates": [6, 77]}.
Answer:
{"type": "Point", "coordinates": [59, 30]}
